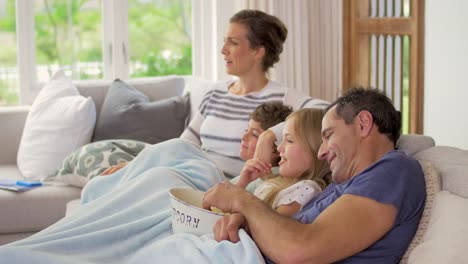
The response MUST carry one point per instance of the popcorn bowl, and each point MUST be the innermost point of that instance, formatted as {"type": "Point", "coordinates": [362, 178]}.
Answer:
{"type": "Point", "coordinates": [188, 216]}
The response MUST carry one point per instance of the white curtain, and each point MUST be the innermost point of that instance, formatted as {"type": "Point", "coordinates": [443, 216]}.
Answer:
{"type": "Point", "coordinates": [312, 55]}
{"type": "Point", "coordinates": [326, 61]}
{"type": "Point", "coordinates": [210, 19]}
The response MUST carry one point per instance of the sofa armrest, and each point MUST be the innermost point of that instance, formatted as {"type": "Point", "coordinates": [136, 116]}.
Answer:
{"type": "Point", "coordinates": [12, 120]}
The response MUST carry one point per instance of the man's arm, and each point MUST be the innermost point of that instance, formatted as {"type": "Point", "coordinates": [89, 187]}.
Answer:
{"type": "Point", "coordinates": [351, 224]}
{"type": "Point", "coordinates": [347, 227]}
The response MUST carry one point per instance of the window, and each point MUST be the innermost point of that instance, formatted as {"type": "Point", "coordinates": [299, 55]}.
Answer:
{"type": "Point", "coordinates": [68, 35]}
{"type": "Point", "coordinates": [8, 53]}
{"type": "Point", "coordinates": [90, 39]}
{"type": "Point", "coordinates": [160, 38]}
{"type": "Point", "coordinates": [383, 46]}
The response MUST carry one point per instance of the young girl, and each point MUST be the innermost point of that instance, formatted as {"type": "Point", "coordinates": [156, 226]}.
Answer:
{"type": "Point", "coordinates": [302, 176]}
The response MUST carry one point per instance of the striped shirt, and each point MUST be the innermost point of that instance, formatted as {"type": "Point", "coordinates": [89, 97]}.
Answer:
{"type": "Point", "coordinates": [223, 117]}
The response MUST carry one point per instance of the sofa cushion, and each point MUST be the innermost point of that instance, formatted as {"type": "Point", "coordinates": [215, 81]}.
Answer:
{"type": "Point", "coordinates": [92, 159]}
{"type": "Point", "coordinates": [156, 88]}
{"type": "Point", "coordinates": [8, 238]}
{"type": "Point", "coordinates": [10, 172]}
{"type": "Point", "coordinates": [447, 234]}
{"type": "Point", "coordinates": [412, 143]}
{"type": "Point", "coordinates": [129, 114]}
{"type": "Point", "coordinates": [34, 210]}
{"type": "Point", "coordinates": [72, 206]}
{"type": "Point", "coordinates": [60, 120]}
{"type": "Point", "coordinates": [452, 164]}
{"type": "Point", "coordinates": [15, 117]}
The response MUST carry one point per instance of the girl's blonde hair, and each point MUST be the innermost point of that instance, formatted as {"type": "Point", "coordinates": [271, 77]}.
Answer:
{"type": "Point", "coordinates": [307, 127]}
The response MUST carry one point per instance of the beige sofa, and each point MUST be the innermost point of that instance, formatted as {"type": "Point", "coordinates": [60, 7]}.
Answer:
{"type": "Point", "coordinates": [26, 213]}
{"type": "Point", "coordinates": [23, 214]}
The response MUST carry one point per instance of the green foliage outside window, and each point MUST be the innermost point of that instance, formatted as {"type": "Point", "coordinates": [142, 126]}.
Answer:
{"type": "Point", "coordinates": [6, 96]}
{"type": "Point", "coordinates": [160, 37]}
{"type": "Point", "coordinates": [70, 32]}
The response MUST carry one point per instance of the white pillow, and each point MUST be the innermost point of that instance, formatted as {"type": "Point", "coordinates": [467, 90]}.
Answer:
{"type": "Point", "coordinates": [60, 121]}
{"type": "Point", "coordinates": [446, 237]}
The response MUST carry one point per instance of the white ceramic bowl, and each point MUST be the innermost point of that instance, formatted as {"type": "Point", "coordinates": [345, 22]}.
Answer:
{"type": "Point", "coordinates": [188, 216]}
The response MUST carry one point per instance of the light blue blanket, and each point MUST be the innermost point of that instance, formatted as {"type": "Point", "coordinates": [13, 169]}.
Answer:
{"type": "Point", "coordinates": [126, 217]}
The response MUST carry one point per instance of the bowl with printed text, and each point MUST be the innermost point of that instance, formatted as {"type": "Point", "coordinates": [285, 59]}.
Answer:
{"type": "Point", "coordinates": [188, 215]}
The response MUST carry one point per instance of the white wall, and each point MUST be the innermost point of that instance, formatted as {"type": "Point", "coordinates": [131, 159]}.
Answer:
{"type": "Point", "coordinates": [446, 72]}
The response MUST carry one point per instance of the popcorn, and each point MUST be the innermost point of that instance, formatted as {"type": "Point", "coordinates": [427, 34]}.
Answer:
{"type": "Point", "coordinates": [218, 211]}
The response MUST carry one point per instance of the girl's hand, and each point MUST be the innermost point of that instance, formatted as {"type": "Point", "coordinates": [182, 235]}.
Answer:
{"type": "Point", "coordinates": [253, 169]}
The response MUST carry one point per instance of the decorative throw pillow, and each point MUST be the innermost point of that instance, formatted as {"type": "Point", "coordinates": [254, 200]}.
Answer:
{"type": "Point", "coordinates": [59, 121]}
{"type": "Point", "coordinates": [92, 159]}
{"type": "Point", "coordinates": [452, 164]}
{"type": "Point", "coordinates": [433, 187]}
{"type": "Point", "coordinates": [446, 236]}
{"type": "Point", "coordinates": [129, 114]}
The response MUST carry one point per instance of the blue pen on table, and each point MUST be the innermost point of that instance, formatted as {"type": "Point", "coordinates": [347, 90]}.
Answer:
{"type": "Point", "coordinates": [29, 183]}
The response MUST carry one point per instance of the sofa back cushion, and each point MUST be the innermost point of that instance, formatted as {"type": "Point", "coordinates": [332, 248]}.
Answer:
{"type": "Point", "coordinates": [127, 113]}
{"type": "Point", "coordinates": [412, 143]}
{"type": "Point", "coordinates": [156, 88]}
{"type": "Point", "coordinates": [452, 164]}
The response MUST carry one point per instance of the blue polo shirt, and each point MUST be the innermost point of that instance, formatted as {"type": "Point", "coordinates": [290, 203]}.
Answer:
{"type": "Point", "coordinates": [395, 179]}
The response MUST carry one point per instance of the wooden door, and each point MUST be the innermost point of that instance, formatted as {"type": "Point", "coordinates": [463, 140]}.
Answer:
{"type": "Point", "coordinates": [383, 47]}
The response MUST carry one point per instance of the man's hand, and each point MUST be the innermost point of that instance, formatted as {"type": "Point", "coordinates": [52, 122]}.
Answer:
{"type": "Point", "coordinates": [227, 228]}
{"type": "Point", "coordinates": [224, 196]}
{"type": "Point", "coordinates": [253, 169]}
{"type": "Point", "coordinates": [113, 169]}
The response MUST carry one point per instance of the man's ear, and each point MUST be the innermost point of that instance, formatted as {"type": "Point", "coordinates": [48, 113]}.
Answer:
{"type": "Point", "coordinates": [366, 121]}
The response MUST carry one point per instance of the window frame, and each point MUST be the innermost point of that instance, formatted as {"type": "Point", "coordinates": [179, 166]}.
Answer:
{"type": "Point", "coordinates": [358, 26]}
{"type": "Point", "coordinates": [115, 39]}
{"type": "Point", "coordinates": [115, 45]}
{"type": "Point", "coordinates": [26, 53]}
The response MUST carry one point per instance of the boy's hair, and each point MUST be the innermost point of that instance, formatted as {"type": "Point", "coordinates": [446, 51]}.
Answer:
{"type": "Point", "coordinates": [270, 113]}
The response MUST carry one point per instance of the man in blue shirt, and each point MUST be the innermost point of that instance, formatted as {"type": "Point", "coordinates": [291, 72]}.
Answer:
{"type": "Point", "coordinates": [369, 213]}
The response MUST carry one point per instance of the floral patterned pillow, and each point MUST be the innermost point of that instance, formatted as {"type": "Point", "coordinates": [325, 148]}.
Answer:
{"type": "Point", "coordinates": [92, 159]}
